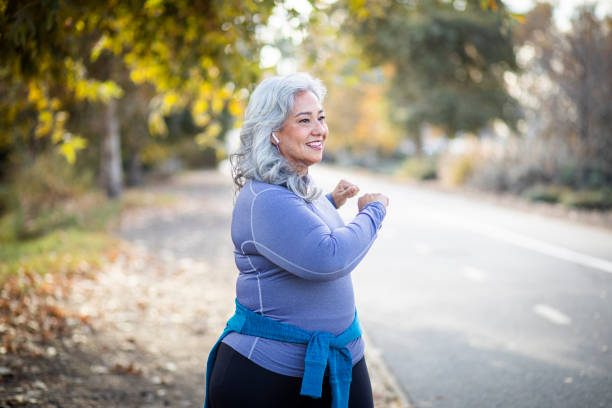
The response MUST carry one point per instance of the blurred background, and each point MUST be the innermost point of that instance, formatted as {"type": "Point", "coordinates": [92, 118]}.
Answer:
{"type": "Point", "coordinates": [504, 97]}
{"type": "Point", "coordinates": [509, 96]}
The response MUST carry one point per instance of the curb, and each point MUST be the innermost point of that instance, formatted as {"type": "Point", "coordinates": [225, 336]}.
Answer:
{"type": "Point", "coordinates": [383, 381]}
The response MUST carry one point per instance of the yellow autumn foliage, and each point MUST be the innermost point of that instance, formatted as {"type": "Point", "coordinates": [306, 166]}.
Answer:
{"type": "Point", "coordinates": [358, 119]}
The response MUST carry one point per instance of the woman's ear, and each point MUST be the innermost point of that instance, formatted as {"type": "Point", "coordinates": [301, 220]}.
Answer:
{"type": "Point", "coordinates": [275, 138]}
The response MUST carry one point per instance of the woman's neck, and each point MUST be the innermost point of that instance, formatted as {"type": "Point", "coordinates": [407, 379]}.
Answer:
{"type": "Point", "coordinates": [299, 168]}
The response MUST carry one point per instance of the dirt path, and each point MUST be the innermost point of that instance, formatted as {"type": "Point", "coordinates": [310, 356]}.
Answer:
{"type": "Point", "coordinates": [153, 313]}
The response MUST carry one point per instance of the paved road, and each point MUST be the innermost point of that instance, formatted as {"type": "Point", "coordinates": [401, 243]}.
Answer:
{"type": "Point", "coordinates": [479, 306]}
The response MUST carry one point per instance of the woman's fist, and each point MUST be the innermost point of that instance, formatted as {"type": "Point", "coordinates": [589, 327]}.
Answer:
{"type": "Point", "coordinates": [370, 198]}
{"type": "Point", "coordinates": [343, 191]}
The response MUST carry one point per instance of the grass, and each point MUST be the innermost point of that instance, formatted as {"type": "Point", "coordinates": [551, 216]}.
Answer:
{"type": "Point", "coordinates": [77, 241]}
{"type": "Point", "coordinates": [60, 251]}
{"type": "Point", "coordinates": [66, 247]}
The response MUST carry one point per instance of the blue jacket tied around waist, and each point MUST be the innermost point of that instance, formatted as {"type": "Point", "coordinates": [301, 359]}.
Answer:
{"type": "Point", "coordinates": [323, 348]}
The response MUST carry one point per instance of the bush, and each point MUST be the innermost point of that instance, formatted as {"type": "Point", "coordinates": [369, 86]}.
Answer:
{"type": "Point", "coordinates": [521, 164]}
{"type": "Point", "coordinates": [585, 175]}
{"type": "Point", "coordinates": [5, 198]}
{"type": "Point", "coordinates": [39, 193]}
{"type": "Point", "coordinates": [195, 156]}
{"type": "Point", "coordinates": [419, 168]}
{"type": "Point", "coordinates": [589, 199]}
{"type": "Point", "coordinates": [545, 193]}
{"type": "Point", "coordinates": [489, 175]}
{"type": "Point", "coordinates": [456, 169]}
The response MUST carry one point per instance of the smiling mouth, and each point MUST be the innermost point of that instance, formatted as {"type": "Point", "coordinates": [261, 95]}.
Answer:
{"type": "Point", "coordinates": [316, 145]}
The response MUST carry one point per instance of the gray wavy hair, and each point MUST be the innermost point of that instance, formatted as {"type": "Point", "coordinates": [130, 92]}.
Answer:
{"type": "Point", "coordinates": [257, 158]}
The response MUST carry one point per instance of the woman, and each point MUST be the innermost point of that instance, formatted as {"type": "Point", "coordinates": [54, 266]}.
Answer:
{"type": "Point", "coordinates": [295, 340]}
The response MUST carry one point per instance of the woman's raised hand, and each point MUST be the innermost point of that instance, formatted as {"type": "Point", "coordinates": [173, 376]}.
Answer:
{"type": "Point", "coordinates": [343, 191]}
{"type": "Point", "coordinates": [370, 198]}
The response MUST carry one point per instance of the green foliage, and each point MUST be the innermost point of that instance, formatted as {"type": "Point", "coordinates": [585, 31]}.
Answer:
{"type": "Point", "coordinates": [39, 194]}
{"type": "Point", "coordinates": [448, 61]}
{"type": "Point", "coordinates": [58, 251]}
{"type": "Point", "coordinates": [419, 168]}
{"type": "Point", "coordinates": [60, 59]}
{"type": "Point", "coordinates": [195, 156]}
{"type": "Point", "coordinates": [545, 193]}
{"type": "Point", "coordinates": [6, 197]}
{"type": "Point", "coordinates": [585, 175]}
{"type": "Point", "coordinates": [79, 246]}
{"type": "Point", "coordinates": [40, 71]}
{"type": "Point", "coordinates": [58, 247]}
{"type": "Point", "coordinates": [589, 199]}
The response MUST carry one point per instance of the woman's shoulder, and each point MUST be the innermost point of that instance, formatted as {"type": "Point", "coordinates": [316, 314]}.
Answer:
{"type": "Point", "coordinates": [258, 190]}
{"type": "Point", "coordinates": [258, 194]}
{"type": "Point", "coordinates": [257, 187]}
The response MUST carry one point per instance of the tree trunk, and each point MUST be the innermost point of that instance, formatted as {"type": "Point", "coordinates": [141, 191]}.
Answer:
{"type": "Point", "coordinates": [111, 153]}
{"type": "Point", "coordinates": [134, 176]}
{"type": "Point", "coordinates": [418, 145]}
{"type": "Point", "coordinates": [417, 139]}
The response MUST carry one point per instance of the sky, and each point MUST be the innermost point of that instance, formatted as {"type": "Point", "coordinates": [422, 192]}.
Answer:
{"type": "Point", "coordinates": [563, 9]}
{"type": "Point", "coordinates": [278, 27]}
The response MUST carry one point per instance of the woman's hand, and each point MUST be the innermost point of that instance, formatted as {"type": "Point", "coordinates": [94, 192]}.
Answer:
{"type": "Point", "coordinates": [343, 191]}
{"type": "Point", "coordinates": [370, 198]}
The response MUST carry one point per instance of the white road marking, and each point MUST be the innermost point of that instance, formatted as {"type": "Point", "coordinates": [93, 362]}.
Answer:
{"type": "Point", "coordinates": [474, 274]}
{"type": "Point", "coordinates": [530, 243]}
{"type": "Point", "coordinates": [551, 314]}
{"type": "Point", "coordinates": [552, 250]}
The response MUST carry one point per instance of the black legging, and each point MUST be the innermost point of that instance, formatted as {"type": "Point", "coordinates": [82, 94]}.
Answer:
{"type": "Point", "coordinates": [237, 382]}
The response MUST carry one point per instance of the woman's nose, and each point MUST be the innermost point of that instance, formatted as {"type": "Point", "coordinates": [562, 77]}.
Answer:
{"type": "Point", "coordinates": [319, 128]}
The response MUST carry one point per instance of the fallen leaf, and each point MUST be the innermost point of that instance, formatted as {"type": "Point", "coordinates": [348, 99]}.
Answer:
{"type": "Point", "coordinates": [130, 368]}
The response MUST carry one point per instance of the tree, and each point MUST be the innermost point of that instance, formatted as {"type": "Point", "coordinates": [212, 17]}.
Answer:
{"type": "Point", "coordinates": [569, 79]}
{"type": "Point", "coordinates": [42, 72]}
{"type": "Point", "coordinates": [448, 58]}
{"type": "Point", "coordinates": [197, 55]}
{"type": "Point", "coordinates": [356, 100]}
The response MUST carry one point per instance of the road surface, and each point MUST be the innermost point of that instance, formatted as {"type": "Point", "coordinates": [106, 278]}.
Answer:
{"type": "Point", "coordinates": [475, 305]}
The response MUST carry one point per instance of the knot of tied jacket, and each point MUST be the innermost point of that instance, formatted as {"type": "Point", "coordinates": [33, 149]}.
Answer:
{"type": "Point", "coordinates": [326, 349]}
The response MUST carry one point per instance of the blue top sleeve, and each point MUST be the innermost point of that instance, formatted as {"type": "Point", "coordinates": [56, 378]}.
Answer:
{"type": "Point", "coordinates": [287, 231]}
{"type": "Point", "coordinates": [331, 199]}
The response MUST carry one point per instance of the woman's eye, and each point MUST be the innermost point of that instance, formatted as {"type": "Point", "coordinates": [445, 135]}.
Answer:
{"type": "Point", "coordinates": [304, 120]}
{"type": "Point", "coordinates": [322, 118]}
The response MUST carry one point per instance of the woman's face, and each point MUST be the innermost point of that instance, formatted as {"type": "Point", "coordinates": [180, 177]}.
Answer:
{"type": "Point", "coordinates": [304, 132]}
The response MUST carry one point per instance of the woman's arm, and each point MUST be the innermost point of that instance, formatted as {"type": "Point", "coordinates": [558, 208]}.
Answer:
{"type": "Point", "coordinates": [287, 232]}
{"type": "Point", "coordinates": [343, 191]}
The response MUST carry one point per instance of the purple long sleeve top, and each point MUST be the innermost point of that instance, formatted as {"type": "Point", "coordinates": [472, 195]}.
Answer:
{"type": "Point", "coordinates": [295, 260]}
